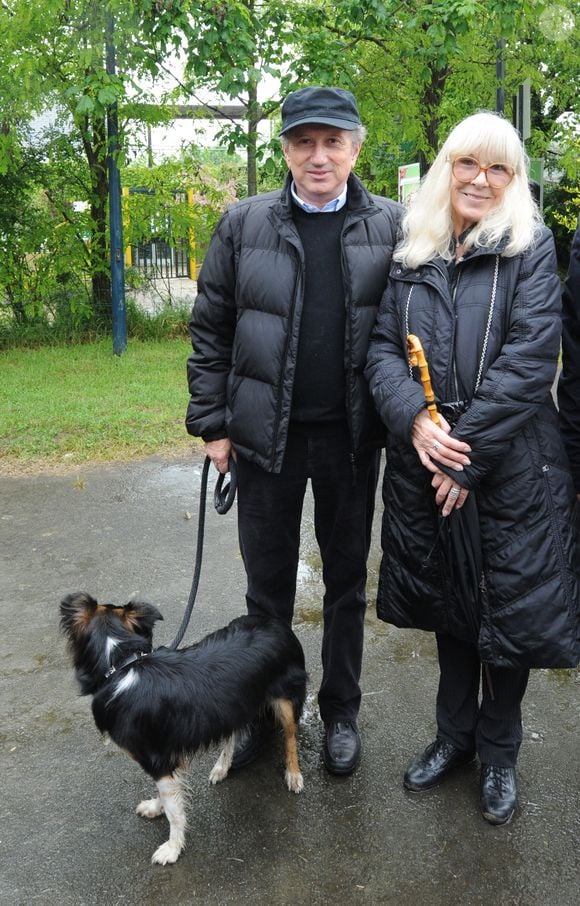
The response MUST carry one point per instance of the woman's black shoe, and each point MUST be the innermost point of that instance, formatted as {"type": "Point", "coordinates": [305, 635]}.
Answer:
{"type": "Point", "coordinates": [432, 766]}
{"type": "Point", "coordinates": [498, 793]}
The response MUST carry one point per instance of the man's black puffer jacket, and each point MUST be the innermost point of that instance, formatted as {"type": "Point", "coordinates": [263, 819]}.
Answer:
{"type": "Point", "coordinates": [246, 320]}
{"type": "Point", "coordinates": [519, 474]}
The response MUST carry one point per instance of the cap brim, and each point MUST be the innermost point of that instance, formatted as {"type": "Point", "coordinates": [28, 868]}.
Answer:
{"type": "Point", "coordinates": [348, 125]}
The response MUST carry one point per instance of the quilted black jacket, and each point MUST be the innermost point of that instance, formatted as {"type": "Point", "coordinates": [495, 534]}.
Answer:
{"type": "Point", "coordinates": [246, 320]}
{"type": "Point", "coordinates": [519, 471]}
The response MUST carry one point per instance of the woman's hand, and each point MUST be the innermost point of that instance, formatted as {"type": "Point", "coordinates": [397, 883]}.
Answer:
{"type": "Point", "coordinates": [449, 494]}
{"type": "Point", "coordinates": [433, 444]}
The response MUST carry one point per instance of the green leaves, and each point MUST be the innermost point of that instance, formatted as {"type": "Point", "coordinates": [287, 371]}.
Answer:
{"type": "Point", "coordinates": [416, 68]}
{"type": "Point", "coordinates": [85, 106]}
{"type": "Point", "coordinates": [107, 95]}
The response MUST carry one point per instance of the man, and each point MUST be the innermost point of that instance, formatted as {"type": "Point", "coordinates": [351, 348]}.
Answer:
{"type": "Point", "coordinates": [569, 382]}
{"type": "Point", "coordinates": [288, 294]}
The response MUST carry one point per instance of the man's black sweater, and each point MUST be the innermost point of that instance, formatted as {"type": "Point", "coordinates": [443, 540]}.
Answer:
{"type": "Point", "coordinates": [319, 383]}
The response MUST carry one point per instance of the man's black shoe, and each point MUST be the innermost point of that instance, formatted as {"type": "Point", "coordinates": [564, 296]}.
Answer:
{"type": "Point", "coordinates": [432, 766]}
{"type": "Point", "coordinates": [342, 745]}
{"type": "Point", "coordinates": [249, 742]}
{"type": "Point", "coordinates": [498, 793]}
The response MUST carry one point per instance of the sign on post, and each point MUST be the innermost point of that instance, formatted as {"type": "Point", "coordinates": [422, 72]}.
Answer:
{"type": "Point", "coordinates": [408, 181]}
{"type": "Point", "coordinates": [536, 175]}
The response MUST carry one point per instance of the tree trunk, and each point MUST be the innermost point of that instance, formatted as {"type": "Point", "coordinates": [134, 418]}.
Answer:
{"type": "Point", "coordinates": [430, 103]}
{"type": "Point", "coordinates": [253, 121]}
{"type": "Point", "coordinates": [99, 253]}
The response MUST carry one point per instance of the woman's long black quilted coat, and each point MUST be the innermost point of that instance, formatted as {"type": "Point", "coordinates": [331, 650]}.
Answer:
{"type": "Point", "coordinates": [519, 471]}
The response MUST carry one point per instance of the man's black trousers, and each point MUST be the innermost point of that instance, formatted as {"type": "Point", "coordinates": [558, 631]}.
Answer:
{"type": "Point", "coordinates": [269, 516]}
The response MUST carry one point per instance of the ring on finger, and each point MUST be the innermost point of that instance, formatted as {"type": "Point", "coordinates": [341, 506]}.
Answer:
{"type": "Point", "coordinates": [436, 445]}
{"type": "Point", "coordinates": [454, 492]}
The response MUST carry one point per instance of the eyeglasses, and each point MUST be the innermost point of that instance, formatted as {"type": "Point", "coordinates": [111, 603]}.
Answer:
{"type": "Point", "coordinates": [466, 169]}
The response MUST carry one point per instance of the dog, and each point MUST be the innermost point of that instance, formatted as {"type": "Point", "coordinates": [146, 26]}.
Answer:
{"type": "Point", "coordinates": [162, 705]}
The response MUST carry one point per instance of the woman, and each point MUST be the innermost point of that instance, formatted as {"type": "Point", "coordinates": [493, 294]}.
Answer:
{"type": "Point", "coordinates": [474, 278]}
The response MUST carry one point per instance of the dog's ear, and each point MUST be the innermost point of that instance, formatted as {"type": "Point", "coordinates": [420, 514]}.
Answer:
{"type": "Point", "coordinates": [139, 616]}
{"type": "Point", "coordinates": [76, 611]}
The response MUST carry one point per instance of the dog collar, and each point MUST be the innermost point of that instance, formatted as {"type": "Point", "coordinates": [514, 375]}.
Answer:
{"type": "Point", "coordinates": [130, 660]}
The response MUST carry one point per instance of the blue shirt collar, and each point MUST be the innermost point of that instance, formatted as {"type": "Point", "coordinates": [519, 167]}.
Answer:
{"type": "Point", "coordinates": [331, 206]}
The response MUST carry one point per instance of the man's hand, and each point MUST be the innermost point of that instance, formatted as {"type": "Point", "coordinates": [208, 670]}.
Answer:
{"type": "Point", "coordinates": [219, 451]}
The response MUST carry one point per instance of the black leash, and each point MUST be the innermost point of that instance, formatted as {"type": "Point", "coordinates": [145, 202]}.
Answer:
{"type": "Point", "coordinates": [223, 499]}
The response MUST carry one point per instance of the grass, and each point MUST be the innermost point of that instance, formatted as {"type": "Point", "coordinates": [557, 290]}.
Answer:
{"type": "Point", "coordinates": [74, 404]}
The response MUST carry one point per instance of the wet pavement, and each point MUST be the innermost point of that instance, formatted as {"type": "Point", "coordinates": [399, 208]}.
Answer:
{"type": "Point", "coordinates": [68, 830]}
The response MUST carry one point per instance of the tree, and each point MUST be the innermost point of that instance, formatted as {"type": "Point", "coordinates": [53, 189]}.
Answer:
{"type": "Point", "coordinates": [230, 46]}
{"type": "Point", "coordinates": [419, 59]}
{"type": "Point", "coordinates": [417, 68]}
{"type": "Point", "coordinates": [53, 55]}
{"type": "Point", "coordinates": [179, 199]}
{"type": "Point", "coordinates": [44, 256]}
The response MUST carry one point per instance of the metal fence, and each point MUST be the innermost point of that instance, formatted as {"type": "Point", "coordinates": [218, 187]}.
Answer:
{"type": "Point", "coordinates": [157, 259]}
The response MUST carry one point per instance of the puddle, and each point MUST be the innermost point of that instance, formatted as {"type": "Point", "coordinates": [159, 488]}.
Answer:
{"type": "Point", "coordinates": [400, 645]}
{"type": "Point", "coordinates": [309, 584]}
{"type": "Point", "coordinates": [180, 479]}
{"type": "Point", "coordinates": [309, 616]}
{"type": "Point", "coordinates": [309, 565]}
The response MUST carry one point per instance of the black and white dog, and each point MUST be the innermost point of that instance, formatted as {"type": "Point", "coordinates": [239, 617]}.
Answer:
{"type": "Point", "coordinates": [162, 706]}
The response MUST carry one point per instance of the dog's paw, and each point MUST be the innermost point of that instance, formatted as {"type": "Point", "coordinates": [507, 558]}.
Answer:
{"type": "Point", "coordinates": [218, 773]}
{"type": "Point", "coordinates": [294, 781]}
{"type": "Point", "coordinates": [150, 808]}
{"type": "Point", "coordinates": [166, 854]}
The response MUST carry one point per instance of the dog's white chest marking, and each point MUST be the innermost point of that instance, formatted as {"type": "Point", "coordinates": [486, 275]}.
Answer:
{"type": "Point", "coordinates": [126, 682]}
{"type": "Point", "coordinates": [110, 646]}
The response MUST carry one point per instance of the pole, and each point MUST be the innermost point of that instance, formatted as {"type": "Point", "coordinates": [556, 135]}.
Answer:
{"type": "Point", "coordinates": [191, 256]}
{"type": "Point", "coordinates": [500, 75]}
{"type": "Point", "coordinates": [115, 216]}
{"type": "Point", "coordinates": [149, 147]}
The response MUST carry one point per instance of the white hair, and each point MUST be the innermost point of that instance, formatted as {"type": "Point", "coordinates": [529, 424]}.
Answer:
{"type": "Point", "coordinates": [427, 224]}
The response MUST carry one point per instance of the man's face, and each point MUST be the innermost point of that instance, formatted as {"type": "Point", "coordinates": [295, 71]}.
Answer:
{"type": "Point", "coordinates": [320, 159]}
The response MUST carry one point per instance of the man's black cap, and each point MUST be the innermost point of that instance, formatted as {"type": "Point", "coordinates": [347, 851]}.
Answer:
{"type": "Point", "coordinates": [324, 106]}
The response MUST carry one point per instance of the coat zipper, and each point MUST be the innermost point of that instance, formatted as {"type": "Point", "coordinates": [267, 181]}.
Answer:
{"type": "Point", "coordinates": [347, 347]}
{"type": "Point", "coordinates": [437, 288]}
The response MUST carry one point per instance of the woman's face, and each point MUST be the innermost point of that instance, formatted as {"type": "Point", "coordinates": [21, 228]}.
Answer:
{"type": "Point", "coordinates": [473, 200]}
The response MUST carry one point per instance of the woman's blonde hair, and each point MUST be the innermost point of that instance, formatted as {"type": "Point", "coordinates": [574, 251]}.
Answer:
{"type": "Point", "coordinates": [427, 224]}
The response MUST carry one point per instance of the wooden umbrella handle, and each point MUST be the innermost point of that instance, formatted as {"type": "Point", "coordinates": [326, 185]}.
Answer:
{"type": "Point", "coordinates": [417, 360]}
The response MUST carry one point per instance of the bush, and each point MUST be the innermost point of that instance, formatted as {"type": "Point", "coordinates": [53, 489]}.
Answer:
{"type": "Point", "coordinates": [169, 322]}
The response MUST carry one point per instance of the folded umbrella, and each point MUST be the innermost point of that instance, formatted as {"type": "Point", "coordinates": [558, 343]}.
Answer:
{"type": "Point", "coordinates": [460, 546]}
{"type": "Point", "coordinates": [459, 536]}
